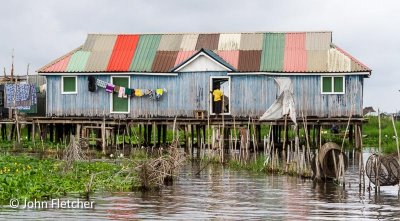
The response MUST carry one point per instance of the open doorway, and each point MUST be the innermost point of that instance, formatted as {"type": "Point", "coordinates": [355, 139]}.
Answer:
{"type": "Point", "coordinates": [220, 89]}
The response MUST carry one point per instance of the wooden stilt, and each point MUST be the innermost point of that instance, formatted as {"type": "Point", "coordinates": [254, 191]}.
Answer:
{"type": "Point", "coordinates": [159, 135]}
{"type": "Point", "coordinates": [351, 134]}
{"type": "Point", "coordinates": [164, 140]}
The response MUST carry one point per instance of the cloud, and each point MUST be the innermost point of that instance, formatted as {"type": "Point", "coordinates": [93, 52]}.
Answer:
{"type": "Point", "coordinates": [41, 30]}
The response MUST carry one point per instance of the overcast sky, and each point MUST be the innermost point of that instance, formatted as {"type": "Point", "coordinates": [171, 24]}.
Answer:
{"type": "Point", "coordinates": [40, 31]}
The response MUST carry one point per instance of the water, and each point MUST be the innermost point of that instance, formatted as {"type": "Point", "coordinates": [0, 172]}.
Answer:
{"type": "Point", "coordinates": [222, 194]}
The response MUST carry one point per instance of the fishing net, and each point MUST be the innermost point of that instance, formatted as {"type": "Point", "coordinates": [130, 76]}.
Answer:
{"type": "Point", "coordinates": [329, 160]}
{"type": "Point", "coordinates": [383, 169]}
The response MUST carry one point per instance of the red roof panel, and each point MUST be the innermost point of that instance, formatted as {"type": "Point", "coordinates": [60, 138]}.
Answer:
{"type": "Point", "coordinates": [295, 56]}
{"type": "Point", "coordinates": [123, 52]}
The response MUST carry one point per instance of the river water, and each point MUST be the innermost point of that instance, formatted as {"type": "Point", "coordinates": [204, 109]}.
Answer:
{"type": "Point", "coordinates": [222, 194]}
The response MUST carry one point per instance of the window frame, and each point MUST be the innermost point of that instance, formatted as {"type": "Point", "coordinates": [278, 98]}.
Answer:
{"type": "Point", "coordinates": [333, 84]}
{"type": "Point", "coordinates": [111, 96]}
{"type": "Point", "coordinates": [62, 85]}
{"type": "Point", "coordinates": [211, 96]}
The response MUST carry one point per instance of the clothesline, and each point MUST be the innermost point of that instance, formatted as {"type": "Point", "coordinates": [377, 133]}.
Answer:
{"type": "Point", "coordinates": [125, 92]}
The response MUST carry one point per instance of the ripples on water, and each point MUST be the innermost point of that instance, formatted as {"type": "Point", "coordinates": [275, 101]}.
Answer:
{"type": "Point", "coordinates": [218, 193]}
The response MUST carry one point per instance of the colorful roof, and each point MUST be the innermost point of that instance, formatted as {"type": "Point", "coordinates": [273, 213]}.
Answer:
{"type": "Point", "coordinates": [300, 52]}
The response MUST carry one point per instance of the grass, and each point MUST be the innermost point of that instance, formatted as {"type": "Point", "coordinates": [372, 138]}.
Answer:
{"type": "Point", "coordinates": [371, 134]}
{"type": "Point", "coordinates": [26, 177]}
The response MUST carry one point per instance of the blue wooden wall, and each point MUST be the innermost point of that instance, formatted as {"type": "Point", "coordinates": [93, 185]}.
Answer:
{"type": "Point", "coordinates": [251, 95]}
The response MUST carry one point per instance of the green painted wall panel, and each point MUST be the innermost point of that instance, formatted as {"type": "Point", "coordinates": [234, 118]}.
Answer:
{"type": "Point", "coordinates": [273, 52]}
{"type": "Point", "coordinates": [145, 53]}
{"type": "Point", "coordinates": [120, 104]}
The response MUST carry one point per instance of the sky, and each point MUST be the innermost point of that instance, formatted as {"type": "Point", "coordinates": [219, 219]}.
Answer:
{"type": "Point", "coordinates": [39, 31]}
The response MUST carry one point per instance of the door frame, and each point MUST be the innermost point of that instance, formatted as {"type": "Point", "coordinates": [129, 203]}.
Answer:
{"type": "Point", "coordinates": [211, 96]}
{"type": "Point", "coordinates": [111, 96]}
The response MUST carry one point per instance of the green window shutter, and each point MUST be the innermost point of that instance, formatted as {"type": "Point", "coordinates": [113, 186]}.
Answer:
{"type": "Point", "coordinates": [69, 84]}
{"type": "Point", "coordinates": [326, 84]}
{"type": "Point", "coordinates": [338, 84]}
{"type": "Point", "coordinates": [120, 104]}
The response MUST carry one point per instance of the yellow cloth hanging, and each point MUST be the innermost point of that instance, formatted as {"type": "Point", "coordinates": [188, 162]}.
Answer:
{"type": "Point", "coordinates": [138, 92]}
{"type": "Point", "coordinates": [160, 91]}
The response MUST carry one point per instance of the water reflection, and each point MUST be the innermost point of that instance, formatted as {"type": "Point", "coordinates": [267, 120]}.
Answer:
{"type": "Point", "coordinates": [218, 193]}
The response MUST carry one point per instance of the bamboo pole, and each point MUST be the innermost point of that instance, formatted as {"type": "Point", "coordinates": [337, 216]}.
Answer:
{"type": "Point", "coordinates": [397, 146]}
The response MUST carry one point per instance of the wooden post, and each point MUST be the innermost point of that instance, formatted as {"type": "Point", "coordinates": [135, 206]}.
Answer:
{"type": "Point", "coordinates": [318, 136]}
{"type": "Point", "coordinates": [29, 128]}
{"type": "Point", "coordinates": [159, 135]}
{"type": "Point", "coordinates": [164, 140]}
{"type": "Point", "coordinates": [103, 136]}
{"type": "Point", "coordinates": [186, 137]}
{"type": "Point", "coordinates": [351, 134]}
{"type": "Point", "coordinates": [51, 132]}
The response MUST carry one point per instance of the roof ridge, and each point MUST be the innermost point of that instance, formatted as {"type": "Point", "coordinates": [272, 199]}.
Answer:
{"type": "Point", "coordinates": [188, 33]}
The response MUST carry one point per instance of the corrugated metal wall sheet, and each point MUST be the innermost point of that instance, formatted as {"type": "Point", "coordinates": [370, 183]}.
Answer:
{"type": "Point", "coordinates": [249, 60]}
{"type": "Point", "coordinates": [145, 53]}
{"type": "Point", "coordinates": [273, 52]}
{"type": "Point", "coordinates": [251, 41]}
{"type": "Point", "coordinates": [229, 42]}
{"type": "Point", "coordinates": [189, 42]}
{"type": "Point", "coordinates": [295, 56]}
{"type": "Point", "coordinates": [123, 53]}
{"type": "Point", "coordinates": [232, 57]}
{"type": "Point", "coordinates": [78, 61]}
{"type": "Point", "coordinates": [164, 61]}
{"type": "Point", "coordinates": [251, 95]}
{"type": "Point", "coordinates": [170, 42]}
{"type": "Point", "coordinates": [207, 41]}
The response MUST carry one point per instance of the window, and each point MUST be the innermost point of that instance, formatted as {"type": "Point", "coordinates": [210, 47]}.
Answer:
{"type": "Point", "coordinates": [332, 85]}
{"type": "Point", "coordinates": [220, 101]}
{"type": "Point", "coordinates": [69, 85]}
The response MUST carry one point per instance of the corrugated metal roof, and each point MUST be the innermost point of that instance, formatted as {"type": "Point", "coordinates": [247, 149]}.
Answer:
{"type": "Point", "coordinates": [317, 61]}
{"type": "Point", "coordinates": [279, 52]}
{"type": "Point", "coordinates": [59, 66]}
{"type": "Point", "coordinates": [229, 42]}
{"type": "Point", "coordinates": [273, 52]}
{"type": "Point", "coordinates": [232, 57]}
{"type": "Point", "coordinates": [164, 61]}
{"type": "Point", "coordinates": [189, 42]}
{"type": "Point", "coordinates": [252, 41]}
{"type": "Point", "coordinates": [78, 61]}
{"type": "Point", "coordinates": [97, 60]}
{"type": "Point", "coordinates": [318, 40]}
{"type": "Point", "coordinates": [295, 56]}
{"type": "Point", "coordinates": [123, 53]}
{"type": "Point", "coordinates": [89, 43]}
{"type": "Point", "coordinates": [208, 41]}
{"type": "Point", "coordinates": [249, 60]}
{"type": "Point", "coordinates": [145, 53]}
{"type": "Point", "coordinates": [170, 42]}
{"type": "Point", "coordinates": [182, 56]}
{"type": "Point", "coordinates": [338, 62]}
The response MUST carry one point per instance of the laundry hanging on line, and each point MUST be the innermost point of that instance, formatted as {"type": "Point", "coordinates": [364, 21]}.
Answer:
{"type": "Point", "coordinates": [20, 96]}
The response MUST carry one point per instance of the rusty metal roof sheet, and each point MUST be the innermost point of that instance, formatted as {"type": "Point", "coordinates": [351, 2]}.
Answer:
{"type": "Point", "coordinates": [164, 61]}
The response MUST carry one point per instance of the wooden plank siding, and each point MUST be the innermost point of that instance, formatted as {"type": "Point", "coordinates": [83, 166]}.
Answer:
{"type": "Point", "coordinates": [251, 95]}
